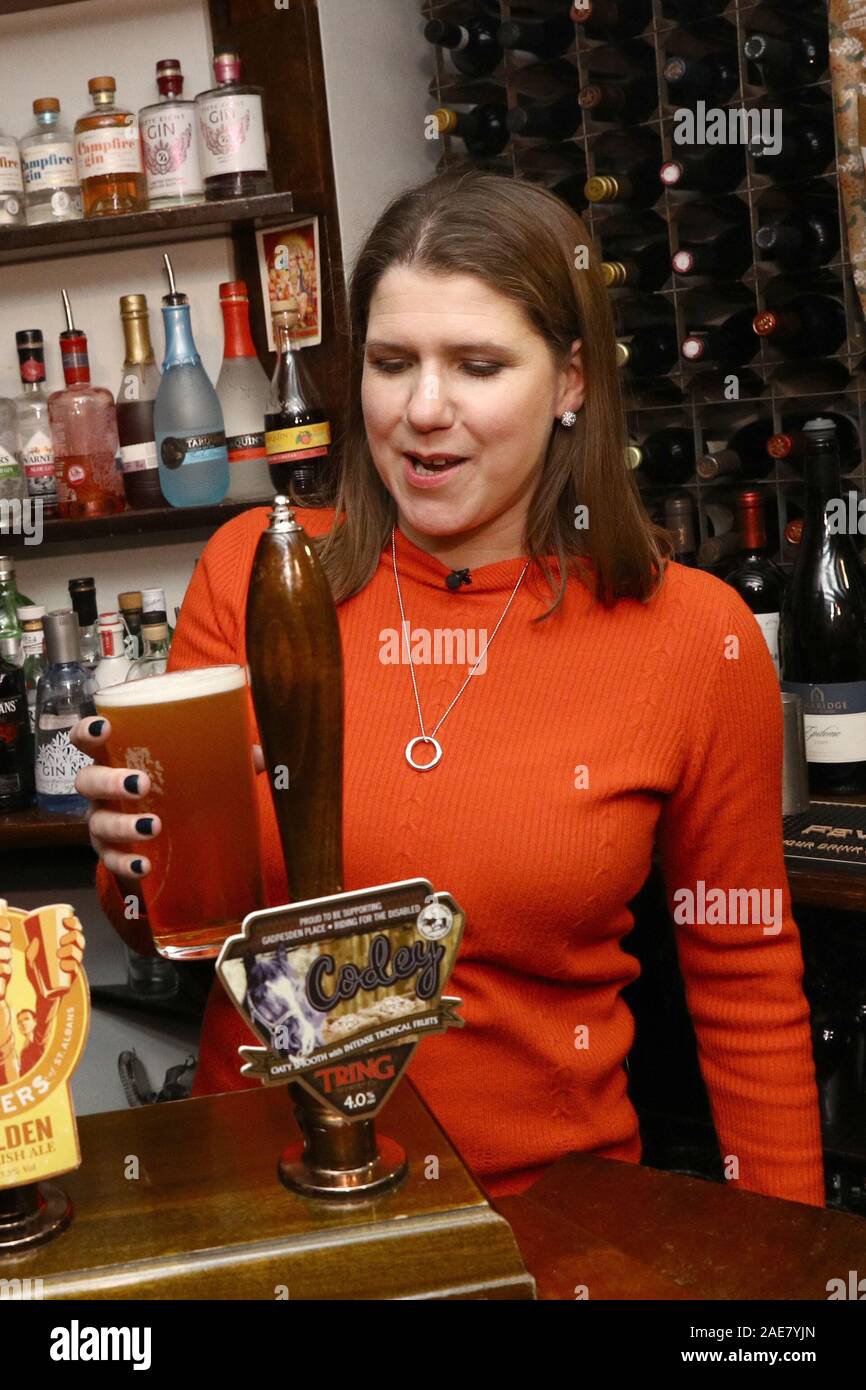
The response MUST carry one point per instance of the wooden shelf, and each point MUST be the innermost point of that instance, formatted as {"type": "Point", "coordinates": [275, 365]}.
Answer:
{"type": "Point", "coordinates": [37, 829]}
{"type": "Point", "coordinates": [158, 225]}
{"type": "Point", "coordinates": [154, 521]}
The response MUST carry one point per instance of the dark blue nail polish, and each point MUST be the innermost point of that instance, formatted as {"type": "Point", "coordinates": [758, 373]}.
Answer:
{"type": "Point", "coordinates": [95, 729]}
{"type": "Point", "coordinates": [130, 783]}
{"type": "Point", "coordinates": [144, 825]}
{"type": "Point", "coordinates": [137, 866]}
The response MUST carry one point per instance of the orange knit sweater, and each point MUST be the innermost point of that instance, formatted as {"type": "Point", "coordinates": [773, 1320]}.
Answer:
{"type": "Point", "coordinates": [580, 741]}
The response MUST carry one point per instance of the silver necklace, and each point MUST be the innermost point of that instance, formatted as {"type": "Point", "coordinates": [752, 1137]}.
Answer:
{"type": "Point", "coordinates": [424, 737]}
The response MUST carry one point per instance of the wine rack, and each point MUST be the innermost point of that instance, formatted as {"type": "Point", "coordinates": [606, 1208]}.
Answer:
{"type": "Point", "coordinates": [687, 395]}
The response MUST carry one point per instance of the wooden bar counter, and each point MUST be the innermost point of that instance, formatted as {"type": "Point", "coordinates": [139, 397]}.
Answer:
{"type": "Point", "coordinates": [182, 1201]}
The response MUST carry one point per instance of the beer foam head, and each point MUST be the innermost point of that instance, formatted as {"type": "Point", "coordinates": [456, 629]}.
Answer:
{"type": "Point", "coordinates": [173, 685]}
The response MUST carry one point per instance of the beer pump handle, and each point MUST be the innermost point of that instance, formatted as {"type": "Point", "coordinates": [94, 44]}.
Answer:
{"type": "Point", "coordinates": [295, 661]}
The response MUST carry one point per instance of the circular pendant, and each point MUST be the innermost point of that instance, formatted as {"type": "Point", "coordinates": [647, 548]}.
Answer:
{"type": "Point", "coordinates": [423, 738]}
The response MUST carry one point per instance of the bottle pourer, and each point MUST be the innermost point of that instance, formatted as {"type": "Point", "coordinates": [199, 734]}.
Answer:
{"type": "Point", "coordinates": [174, 296]}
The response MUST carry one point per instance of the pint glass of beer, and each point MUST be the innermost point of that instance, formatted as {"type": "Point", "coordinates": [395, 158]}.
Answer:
{"type": "Point", "coordinates": [188, 730]}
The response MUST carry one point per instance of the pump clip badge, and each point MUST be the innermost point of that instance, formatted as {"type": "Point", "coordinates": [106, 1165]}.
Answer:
{"type": "Point", "coordinates": [44, 1012]}
{"type": "Point", "coordinates": [341, 989]}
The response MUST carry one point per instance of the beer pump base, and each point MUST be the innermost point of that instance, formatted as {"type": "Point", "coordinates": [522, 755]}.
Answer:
{"type": "Point", "coordinates": [385, 1171]}
{"type": "Point", "coordinates": [32, 1215]}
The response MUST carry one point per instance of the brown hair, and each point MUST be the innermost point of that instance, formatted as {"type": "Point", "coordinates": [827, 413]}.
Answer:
{"type": "Point", "coordinates": [521, 241]}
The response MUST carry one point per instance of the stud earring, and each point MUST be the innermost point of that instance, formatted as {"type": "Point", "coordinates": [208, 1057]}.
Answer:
{"type": "Point", "coordinates": [568, 418]}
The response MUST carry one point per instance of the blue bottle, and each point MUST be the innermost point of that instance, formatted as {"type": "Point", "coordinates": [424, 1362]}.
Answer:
{"type": "Point", "coordinates": [64, 694]}
{"type": "Point", "coordinates": [188, 420]}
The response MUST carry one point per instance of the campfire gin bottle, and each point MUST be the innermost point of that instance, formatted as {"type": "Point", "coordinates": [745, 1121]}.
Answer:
{"type": "Point", "coordinates": [108, 155]}
{"type": "Point", "coordinates": [232, 141]}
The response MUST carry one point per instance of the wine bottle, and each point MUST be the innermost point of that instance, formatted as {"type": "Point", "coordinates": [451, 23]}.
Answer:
{"type": "Point", "coordinates": [611, 20]}
{"type": "Point", "coordinates": [626, 165]}
{"type": "Point", "coordinates": [704, 169]}
{"type": "Point", "coordinates": [648, 352]}
{"type": "Point", "coordinates": [680, 521]}
{"type": "Point", "coordinates": [668, 455]}
{"type": "Point", "coordinates": [570, 190]}
{"type": "Point", "coordinates": [727, 255]}
{"type": "Point", "coordinates": [756, 579]}
{"type": "Point", "coordinates": [823, 632]}
{"type": "Point", "coordinates": [483, 129]}
{"type": "Point", "coordinates": [715, 549]}
{"type": "Point", "coordinates": [733, 340]}
{"type": "Point", "coordinates": [474, 47]}
{"type": "Point", "coordinates": [790, 61]}
{"type": "Point", "coordinates": [744, 454]}
{"type": "Point", "coordinates": [801, 238]}
{"type": "Point", "coordinates": [549, 120]}
{"type": "Point", "coordinates": [545, 38]}
{"type": "Point", "coordinates": [624, 103]}
{"type": "Point", "coordinates": [790, 442]}
{"type": "Point", "coordinates": [805, 149]}
{"type": "Point", "coordinates": [712, 78]}
{"type": "Point", "coordinates": [808, 325]}
{"type": "Point", "coordinates": [637, 257]}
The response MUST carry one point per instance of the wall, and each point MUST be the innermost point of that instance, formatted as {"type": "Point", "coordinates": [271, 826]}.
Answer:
{"type": "Point", "coordinates": [377, 67]}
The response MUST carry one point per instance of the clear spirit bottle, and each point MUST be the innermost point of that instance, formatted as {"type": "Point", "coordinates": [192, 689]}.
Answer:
{"type": "Point", "coordinates": [35, 444]}
{"type": "Point", "coordinates": [31, 617]}
{"type": "Point", "coordinates": [242, 387]}
{"type": "Point", "coordinates": [51, 189]}
{"type": "Point", "coordinates": [155, 658]}
{"type": "Point", "coordinates": [12, 482]}
{"type": "Point", "coordinates": [169, 142]}
{"type": "Point", "coordinates": [63, 696]}
{"type": "Point", "coordinates": [11, 183]}
{"type": "Point", "coordinates": [232, 136]}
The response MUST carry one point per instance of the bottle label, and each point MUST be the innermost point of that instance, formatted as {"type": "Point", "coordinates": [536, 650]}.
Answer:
{"type": "Point", "coordinates": [298, 442]}
{"type": "Point", "coordinates": [178, 450]}
{"type": "Point", "coordinates": [109, 150]}
{"type": "Point", "coordinates": [32, 642]}
{"type": "Point", "coordinates": [834, 715]}
{"type": "Point", "coordinates": [48, 166]}
{"type": "Point", "coordinates": [170, 149]}
{"type": "Point", "coordinates": [245, 446]}
{"type": "Point", "coordinates": [57, 760]}
{"type": "Point", "coordinates": [37, 460]}
{"type": "Point", "coordinates": [10, 783]}
{"type": "Point", "coordinates": [10, 168]}
{"type": "Point", "coordinates": [231, 134]}
{"type": "Point", "coordinates": [9, 465]}
{"type": "Point", "coordinates": [138, 458]}
{"type": "Point", "coordinates": [769, 625]}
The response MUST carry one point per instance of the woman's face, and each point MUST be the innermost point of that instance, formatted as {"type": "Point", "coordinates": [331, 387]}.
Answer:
{"type": "Point", "coordinates": [454, 370]}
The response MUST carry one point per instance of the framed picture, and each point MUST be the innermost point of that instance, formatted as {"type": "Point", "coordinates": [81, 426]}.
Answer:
{"type": "Point", "coordinates": [291, 275]}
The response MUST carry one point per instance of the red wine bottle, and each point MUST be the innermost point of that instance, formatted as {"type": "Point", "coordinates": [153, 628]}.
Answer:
{"type": "Point", "coordinates": [549, 120]}
{"type": "Point", "coordinates": [743, 455]}
{"type": "Point", "coordinates": [776, 62]}
{"type": "Point", "coordinates": [805, 149]}
{"type": "Point", "coordinates": [727, 255]}
{"type": "Point", "coordinates": [668, 455]}
{"type": "Point", "coordinates": [648, 352]}
{"type": "Point", "coordinates": [474, 47]}
{"type": "Point", "coordinates": [808, 325]}
{"type": "Point", "coordinates": [680, 521]}
{"type": "Point", "coordinates": [624, 103]}
{"type": "Point", "coordinates": [483, 129]}
{"type": "Point", "coordinates": [545, 38]}
{"type": "Point", "coordinates": [705, 168]}
{"type": "Point", "coordinates": [731, 341]}
{"type": "Point", "coordinates": [712, 78]}
{"type": "Point", "coordinates": [611, 20]}
{"type": "Point", "coordinates": [802, 238]}
{"type": "Point", "coordinates": [756, 579]}
{"type": "Point", "coordinates": [790, 442]}
{"type": "Point", "coordinates": [626, 165]}
{"type": "Point", "coordinates": [823, 634]}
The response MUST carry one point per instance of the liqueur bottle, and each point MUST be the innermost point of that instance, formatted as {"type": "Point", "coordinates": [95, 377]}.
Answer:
{"type": "Point", "coordinates": [474, 47]}
{"type": "Point", "coordinates": [823, 632]}
{"type": "Point", "coordinates": [187, 416]}
{"type": "Point", "coordinates": [84, 428]}
{"type": "Point", "coordinates": [63, 696]}
{"type": "Point", "coordinates": [139, 384]}
{"type": "Point", "coordinates": [169, 142]}
{"type": "Point", "coordinates": [756, 579]}
{"type": "Point", "coordinates": [16, 739]}
{"type": "Point", "coordinates": [108, 155]}
{"type": "Point", "coordinates": [232, 136]}
{"type": "Point", "coordinates": [51, 188]}
{"type": "Point", "coordinates": [243, 388]}
{"type": "Point", "coordinates": [35, 444]}
{"type": "Point", "coordinates": [297, 430]}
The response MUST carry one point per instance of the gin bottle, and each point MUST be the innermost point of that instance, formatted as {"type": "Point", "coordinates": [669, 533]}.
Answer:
{"type": "Point", "coordinates": [31, 617]}
{"type": "Point", "coordinates": [11, 183]}
{"type": "Point", "coordinates": [232, 138]}
{"type": "Point", "coordinates": [169, 141]}
{"type": "Point", "coordinates": [51, 189]}
{"type": "Point", "coordinates": [35, 444]}
{"type": "Point", "coordinates": [16, 738]}
{"type": "Point", "coordinates": [63, 696]}
{"type": "Point", "coordinates": [108, 155]}
{"type": "Point", "coordinates": [84, 427]}
{"type": "Point", "coordinates": [11, 477]}
{"type": "Point", "coordinates": [242, 387]}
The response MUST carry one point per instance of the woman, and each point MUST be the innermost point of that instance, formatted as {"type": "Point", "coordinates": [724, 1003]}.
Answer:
{"type": "Point", "coordinates": [620, 699]}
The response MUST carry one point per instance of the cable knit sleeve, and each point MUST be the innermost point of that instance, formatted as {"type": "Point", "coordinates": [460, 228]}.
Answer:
{"type": "Point", "coordinates": [739, 947]}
